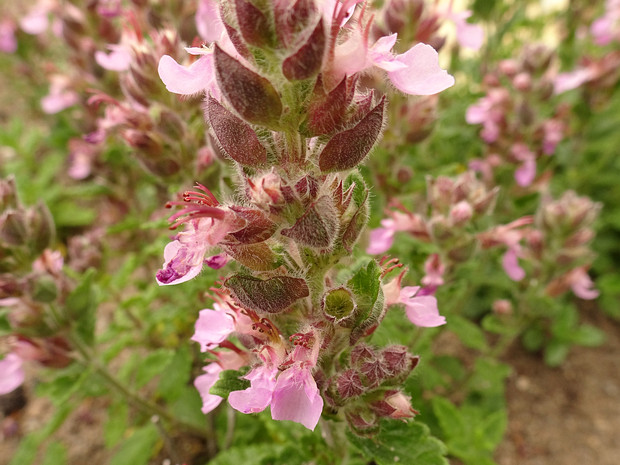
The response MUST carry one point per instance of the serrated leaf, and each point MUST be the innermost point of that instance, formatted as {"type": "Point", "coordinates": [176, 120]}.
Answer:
{"type": "Point", "coordinates": [139, 448]}
{"type": "Point", "coordinates": [177, 376]}
{"type": "Point", "coordinates": [468, 333]}
{"type": "Point", "coordinates": [399, 442]}
{"type": "Point", "coordinates": [81, 306]}
{"type": "Point", "coordinates": [271, 295]}
{"type": "Point", "coordinates": [230, 380]}
{"type": "Point", "coordinates": [152, 365]}
{"type": "Point", "coordinates": [116, 425]}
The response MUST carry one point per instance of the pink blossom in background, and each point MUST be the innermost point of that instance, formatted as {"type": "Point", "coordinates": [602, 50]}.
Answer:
{"type": "Point", "coordinates": [572, 79]}
{"type": "Point", "coordinates": [36, 21]}
{"type": "Point", "coordinates": [381, 239]}
{"type": "Point", "coordinates": [421, 309]}
{"type": "Point", "coordinates": [60, 96]}
{"type": "Point", "coordinates": [553, 133]}
{"type": "Point", "coordinates": [208, 22]}
{"type": "Point", "coordinates": [296, 397]}
{"type": "Point", "coordinates": [118, 59]}
{"type": "Point", "coordinates": [434, 270]}
{"type": "Point", "coordinates": [510, 263]}
{"type": "Point", "coordinates": [468, 35]}
{"type": "Point", "coordinates": [213, 327]}
{"type": "Point", "coordinates": [607, 28]}
{"type": "Point", "coordinates": [109, 8]}
{"type": "Point", "coordinates": [205, 382]}
{"type": "Point", "coordinates": [11, 373]}
{"type": "Point", "coordinates": [525, 174]}
{"type": "Point", "coordinates": [8, 42]}
{"type": "Point", "coordinates": [581, 284]}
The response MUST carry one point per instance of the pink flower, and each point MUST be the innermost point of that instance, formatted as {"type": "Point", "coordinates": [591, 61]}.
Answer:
{"type": "Point", "coordinates": [421, 309]}
{"type": "Point", "coordinates": [208, 22]}
{"type": "Point", "coordinates": [197, 78]}
{"type": "Point", "coordinates": [572, 79]}
{"type": "Point", "coordinates": [582, 285]}
{"type": "Point", "coordinates": [468, 35]}
{"type": "Point", "coordinates": [553, 130]}
{"type": "Point", "coordinates": [213, 327]}
{"type": "Point", "coordinates": [381, 239]}
{"type": "Point", "coordinates": [434, 270]}
{"type": "Point", "coordinates": [422, 74]}
{"type": "Point", "coordinates": [59, 97]}
{"type": "Point", "coordinates": [258, 396]}
{"type": "Point", "coordinates": [36, 21]}
{"type": "Point", "coordinates": [205, 382]}
{"type": "Point", "coordinates": [511, 266]}
{"type": "Point", "coordinates": [8, 42]}
{"type": "Point", "coordinates": [185, 256]}
{"type": "Point", "coordinates": [11, 373]}
{"type": "Point", "coordinates": [296, 397]}
{"type": "Point", "coordinates": [118, 59]}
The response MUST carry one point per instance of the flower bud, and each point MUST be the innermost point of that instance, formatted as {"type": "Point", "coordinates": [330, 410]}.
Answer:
{"type": "Point", "coordinates": [502, 307]}
{"type": "Point", "coordinates": [461, 213]}
{"type": "Point", "coordinates": [349, 384]}
{"type": "Point", "coordinates": [339, 306]}
{"type": "Point", "coordinates": [394, 405]}
{"type": "Point", "coordinates": [8, 194]}
{"type": "Point", "coordinates": [13, 228]}
{"type": "Point", "coordinates": [522, 82]}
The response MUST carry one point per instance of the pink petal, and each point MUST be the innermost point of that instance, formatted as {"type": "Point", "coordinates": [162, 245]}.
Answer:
{"type": "Point", "coordinates": [196, 78]}
{"type": "Point", "coordinates": [205, 382]}
{"type": "Point", "coordinates": [11, 373]}
{"type": "Point", "coordinates": [468, 35]}
{"type": "Point", "coordinates": [180, 265]}
{"type": "Point", "coordinates": [57, 102]}
{"type": "Point", "coordinates": [35, 22]}
{"type": "Point", "coordinates": [583, 287]}
{"type": "Point", "coordinates": [296, 397]}
{"type": "Point", "coordinates": [208, 22]}
{"type": "Point", "coordinates": [117, 60]}
{"type": "Point", "coordinates": [511, 266]}
{"type": "Point", "coordinates": [421, 309]}
{"type": "Point", "coordinates": [381, 240]}
{"type": "Point", "coordinates": [212, 327]}
{"type": "Point", "coordinates": [423, 75]}
{"type": "Point", "coordinates": [571, 80]}
{"type": "Point", "coordinates": [525, 174]}
{"type": "Point", "coordinates": [8, 42]}
{"type": "Point", "coordinates": [257, 397]}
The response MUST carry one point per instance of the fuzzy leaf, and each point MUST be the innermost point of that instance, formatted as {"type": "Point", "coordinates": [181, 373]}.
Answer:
{"type": "Point", "coordinates": [317, 227]}
{"type": "Point", "coordinates": [253, 24]}
{"type": "Point", "coordinates": [355, 226]}
{"type": "Point", "coordinates": [348, 148]}
{"type": "Point", "coordinates": [326, 112]}
{"type": "Point", "coordinates": [236, 137]}
{"type": "Point", "coordinates": [258, 228]}
{"type": "Point", "coordinates": [269, 296]}
{"type": "Point", "coordinates": [400, 442]}
{"type": "Point", "coordinates": [258, 257]}
{"type": "Point", "coordinates": [230, 380]}
{"type": "Point", "coordinates": [292, 19]}
{"type": "Point", "coordinates": [250, 94]}
{"type": "Point", "coordinates": [308, 59]}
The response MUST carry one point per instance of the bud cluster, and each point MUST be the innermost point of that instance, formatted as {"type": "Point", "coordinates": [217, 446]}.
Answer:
{"type": "Point", "coordinates": [518, 131]}
{"type": "Point", "coordinates": [283, 105]}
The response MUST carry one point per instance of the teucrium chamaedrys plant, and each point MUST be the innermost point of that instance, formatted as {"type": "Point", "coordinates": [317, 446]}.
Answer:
{"type": "Point", "coordinates": [283, 102]}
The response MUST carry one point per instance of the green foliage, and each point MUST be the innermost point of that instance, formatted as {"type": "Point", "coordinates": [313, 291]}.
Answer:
{"type": "Point", "coordinates": [402, 442]}
{"type": "Point", "coordinates": [138, 448]}
{"type": "Point", "coordinates": [230, 380]}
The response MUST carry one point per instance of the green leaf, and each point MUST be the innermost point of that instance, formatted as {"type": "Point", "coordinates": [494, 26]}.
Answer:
{"type": "Point", "coordinates": [139, 448]}
{"type": "Point", "coordinates": [178, 372]}
{"type": "Point", "coordinates": [117, 425]}
{"type": "Point", "coordinates": [588, 336]}
{"type": "Point", "coordinates": [556, 352]}
{"type": "Point", "coordinates": [399, 442]}
{"type": "Point", "coordinates": [469, 334]}
{"type": "Point", "coordinates": [81, 306]}
{"type": "Point", "coordinates": [230, 380]}
{"type": "Point", "coordinates": [152, 365]}
{"type": "Point", "coordinates": [55, 454]}
{"type": "Point", "coordinates": [259, 454]}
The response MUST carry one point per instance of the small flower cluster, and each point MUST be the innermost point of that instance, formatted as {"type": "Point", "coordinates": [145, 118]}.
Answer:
{"type": "Point", "coordinates": [31, 279]}
{"type": "Point", "coordinates": [518, 134]}
{"type": "Point", "coordinates": [283, 105]}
